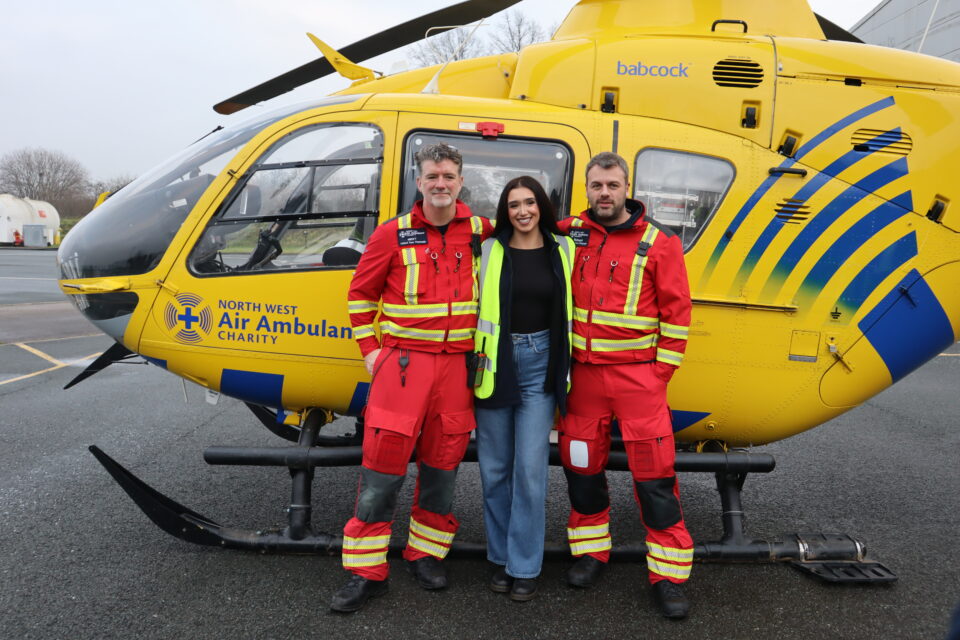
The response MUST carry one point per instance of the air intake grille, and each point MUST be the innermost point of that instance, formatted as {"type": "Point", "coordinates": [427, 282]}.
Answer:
{"type": "Point", "coordinates": [791, 211]}
{"type": "Point", "coordinates": [738, 73]}
{"type": "Point", "coordinates": [877, 141]}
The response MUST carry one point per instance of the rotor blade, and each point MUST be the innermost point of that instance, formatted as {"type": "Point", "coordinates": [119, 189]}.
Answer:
{"type": "Point", "coordinates": [834, 32]}
{"type": "Point", "coordinates": [114, 354]}
{"type": "Point", "coordinates": [388, 40]}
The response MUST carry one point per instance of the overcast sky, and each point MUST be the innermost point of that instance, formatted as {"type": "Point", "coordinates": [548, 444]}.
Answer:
{"type": "Point", "coordinates": [121, 85]}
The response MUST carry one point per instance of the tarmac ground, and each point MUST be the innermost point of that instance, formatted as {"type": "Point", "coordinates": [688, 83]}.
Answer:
{"type": "Point", "coordinates": [81, 561]}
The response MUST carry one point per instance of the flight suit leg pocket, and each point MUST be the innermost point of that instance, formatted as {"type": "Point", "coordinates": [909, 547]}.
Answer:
{"type": "Point", "coordinates": [388, 440]}
{"type": "Point", "coordinates": [455, 428]}
{"type": "Point", "coordinates": [650, 458]}
{"type": "Point", "coordinates": [581, 448]}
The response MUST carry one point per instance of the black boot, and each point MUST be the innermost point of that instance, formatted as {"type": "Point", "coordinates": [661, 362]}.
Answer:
{"type": "Point", "coordinates": [671, 599]}
{"type": "Point", "coordinates": [585, 572]}
{"type": "Point", "coordinates": [429, 572]}
{"type": "Point", "coordinates": [523, 589]}
{"type": "Point", "coordinates": [353, 595]}
{"type": "Point", "coordinates": [500, 582]}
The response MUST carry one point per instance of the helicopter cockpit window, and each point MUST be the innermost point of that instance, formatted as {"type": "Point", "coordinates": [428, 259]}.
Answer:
{"type": "Point", "coordinates": [681, 190]}
{"type": "Point", "coordinates": [310, 202]}
{"type": "Point", "coordinates": [130, 232]}
{"type": "Point", "coordinates": [490, 164]}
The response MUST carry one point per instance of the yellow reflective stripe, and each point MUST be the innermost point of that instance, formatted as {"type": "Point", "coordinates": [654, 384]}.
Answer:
{"type": "Point", "coordinates": [647, 342]}
{"type": "Point", "coordinates": [580, 315]}
{"type": "Point", "coordinates": [577, 222]}
{"type": "Point", "coordinates": [476, 225]}
{"type": "Point", "coordinates": [579, 342]}
{"type": "Point", "coordinates": [361, 306]}
{"type": "Point", "coordinates": [681, 572]}
{"type": "Point", "coordinates": [422, 530]}
{"type": "Point", "coordinates": [670, 553]}
{"type": "Point", "coordinates": [363, 559]}
{"type": "Point", "coordinates": [677, 331]}
{"type": "Point", "coordinates": [625, 320]}
{"type": "Point", "coordinates": [370, 542]}
{"type": "Point", "coordinates": [464, 308]}
{"type": "Point", "coordinates": [416, 310]}
{"type": "Point", "coordinates": [418, 543]}
{"type": "Point", "coordinates": [364, 331]}
{"type": "Point", "coordinates": [413, 276]}
{"type": "Point", "coordinates": [403, 222]}
{"type": "Point", "coordinates": [670, 357]}
{"type": "Point", "coordinates": [403, 332]}
{"type": "Point", "coordinates": [636, 274]}
{"type": "Point", "coordinates": [580, 548]}
{"type": "Point", "coordinates": [594, 531]}
{"type": "Point", "coordinates": [460, 334]}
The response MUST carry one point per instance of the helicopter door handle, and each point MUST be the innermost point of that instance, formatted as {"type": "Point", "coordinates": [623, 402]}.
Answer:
{"type": "Point", "coordinates": [740, 22]}
{"type": "Point", "coordinates": [793, 171]}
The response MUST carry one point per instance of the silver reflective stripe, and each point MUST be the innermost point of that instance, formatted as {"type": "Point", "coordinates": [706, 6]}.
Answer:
{"type": "Point", "coordinates": [486, 248]}
{"type": "Point", "coordinates": [485, 326]}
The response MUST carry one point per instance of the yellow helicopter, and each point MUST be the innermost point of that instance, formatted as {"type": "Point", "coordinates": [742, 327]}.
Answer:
{"type": "Point", "coordinates": [809, 176]}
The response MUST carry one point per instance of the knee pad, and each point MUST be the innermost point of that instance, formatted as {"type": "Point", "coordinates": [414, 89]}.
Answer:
{"type": "Point", "coordinates": [658, 502]}
{"type": "Point", "coordinates": [378, 495]}
{"type": "Point", "coordinates": [436, 489]}
{"type": "Point", "coordinates": [588, 494]}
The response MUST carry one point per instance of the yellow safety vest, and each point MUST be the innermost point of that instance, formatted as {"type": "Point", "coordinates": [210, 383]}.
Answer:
{"type": "Point", "coordinates": [487, 338]}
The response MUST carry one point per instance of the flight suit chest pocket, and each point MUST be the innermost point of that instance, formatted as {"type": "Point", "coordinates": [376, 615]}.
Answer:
{"type": "Point", "coordinates": [462, 274]}
{"type": "Point", "coordinates": [413, 261]}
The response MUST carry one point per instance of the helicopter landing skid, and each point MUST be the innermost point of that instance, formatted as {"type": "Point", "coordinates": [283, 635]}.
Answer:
{"type": "Point", "coordinates": [831, 557]}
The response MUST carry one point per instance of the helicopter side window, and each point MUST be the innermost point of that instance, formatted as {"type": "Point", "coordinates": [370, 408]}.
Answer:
{"type": "Point", "coordinates": [490, 164]}
{"type": "Point", "coordinates": [311, 202]}
{"type": "Point", "coordinates": [681, 190]}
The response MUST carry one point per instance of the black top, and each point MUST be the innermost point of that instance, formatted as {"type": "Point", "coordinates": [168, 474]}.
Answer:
{"type": "Point", "coordinates": [533, 290]}
{"type": "Point", "coordinates": [506, 390]}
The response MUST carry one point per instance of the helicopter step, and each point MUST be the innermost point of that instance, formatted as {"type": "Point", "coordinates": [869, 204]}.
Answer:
{"type": "Point", "coordinates": [831, 557]}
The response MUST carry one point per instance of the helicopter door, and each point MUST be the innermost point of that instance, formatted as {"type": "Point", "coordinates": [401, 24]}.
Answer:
{"type": "Point", "coordinates": [544, 151]}
{"type": "Point", "coordinates": [270, 271]}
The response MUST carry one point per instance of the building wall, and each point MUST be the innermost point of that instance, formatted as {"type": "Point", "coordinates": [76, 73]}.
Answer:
{"type": "Point", "coordinates": [900, 24]}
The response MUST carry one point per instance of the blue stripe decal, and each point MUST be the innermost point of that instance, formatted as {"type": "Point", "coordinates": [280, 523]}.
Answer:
{"type": "Point", "coordinates": [359, 399]}
{"type": "Point", "coordinates": [823, 220]}
{"type": "Point", "coordinates": [259, 388]}
{"type": "Point", "coordinates": [908, 327]}
{"type": "Point", "coordinates": [804, 149]}
{"type": "Point", "coordinates": [684, 419]}
{"type": "Point", "coordinates": [160, 363]}
{"type": "Point", "coordinates": [880, 268]}
{"type": "Point", "coordinates": [806, 192]}
{"type": "Point", "coordinates": [854, 238]}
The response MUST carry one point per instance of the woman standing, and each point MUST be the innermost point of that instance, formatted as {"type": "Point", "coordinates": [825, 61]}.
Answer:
{"type": "Point", "coordinates": [524, 344]}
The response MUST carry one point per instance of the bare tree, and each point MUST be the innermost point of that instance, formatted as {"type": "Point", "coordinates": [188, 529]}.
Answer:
{"type": "Point", "coordinates": [111, 185]}
{"type": "Point", "coordinates": [42, 174]}
{"type": "Point", "coordinates": [513, 32]}
{"type": "Point", "coordinates": [449, 45]}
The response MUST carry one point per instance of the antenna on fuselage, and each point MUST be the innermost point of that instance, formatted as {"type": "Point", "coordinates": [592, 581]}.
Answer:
{"type": "Point", "coordinates": [434, 85]}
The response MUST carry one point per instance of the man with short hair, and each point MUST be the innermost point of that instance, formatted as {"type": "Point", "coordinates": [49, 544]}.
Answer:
{"type": "Point", "coordinates": [422, 267]}
{"type": "Point", "coordinates": [631, 318]}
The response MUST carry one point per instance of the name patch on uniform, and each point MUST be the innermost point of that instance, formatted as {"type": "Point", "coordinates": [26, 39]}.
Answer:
{"type": "Point", "coordinates": [580, 237]}
{"type": "Point", "coordinates": [411, 237]}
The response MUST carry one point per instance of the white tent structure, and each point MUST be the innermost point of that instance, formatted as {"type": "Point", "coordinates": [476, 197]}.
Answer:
{"type": "Point", "coordinates": [16, 212]}
{"type": "Point", "coordinates": [46, 214]}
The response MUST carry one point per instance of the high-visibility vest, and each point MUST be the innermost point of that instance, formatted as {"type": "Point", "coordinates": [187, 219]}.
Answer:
{"type": "Point", "coordinates": [487, 339]}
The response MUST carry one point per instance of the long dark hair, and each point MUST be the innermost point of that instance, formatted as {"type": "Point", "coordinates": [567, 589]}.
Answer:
{"type": "Point", "coordinates": [548, 215]}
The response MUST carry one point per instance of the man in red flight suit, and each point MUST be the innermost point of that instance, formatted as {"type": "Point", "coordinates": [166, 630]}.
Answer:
{"type": "Point", "coordinates": [631, 317]}
{"type": "Point", "coordinates": [422, 268]}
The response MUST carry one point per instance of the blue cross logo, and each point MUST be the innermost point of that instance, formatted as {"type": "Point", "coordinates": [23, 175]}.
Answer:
{"type": "Point", "coordinates": [188, 318]}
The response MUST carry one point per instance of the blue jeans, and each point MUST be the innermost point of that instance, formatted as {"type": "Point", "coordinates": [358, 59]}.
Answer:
{"type": "Point", "coordinates": [513, 447]}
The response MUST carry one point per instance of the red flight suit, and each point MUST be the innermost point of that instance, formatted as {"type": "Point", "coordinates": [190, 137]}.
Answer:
{"type": "Point", "coordinates": [426, 282]}
{"type": "Point", "coordinates": [631, 319]}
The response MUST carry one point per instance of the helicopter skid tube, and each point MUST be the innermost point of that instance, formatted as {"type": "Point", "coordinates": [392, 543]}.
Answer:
{"type": "Point", "coordinates": [304, 457]}
{"type": "Point", "coordinates": [731, 469]}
